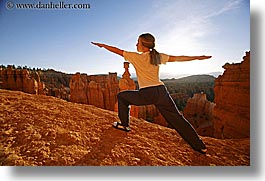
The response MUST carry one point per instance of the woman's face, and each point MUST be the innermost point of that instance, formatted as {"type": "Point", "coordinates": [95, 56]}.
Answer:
{"type": "Point", "coordinates": [140, 47]}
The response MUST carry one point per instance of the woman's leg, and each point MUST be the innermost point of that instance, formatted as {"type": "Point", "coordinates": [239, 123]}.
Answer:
{"type": "Point", "coordinates": [125, 99]}
{"type": "Point", "coordinates": [171, 113]}
{"type": "Point", "coordinates": [140, 97]}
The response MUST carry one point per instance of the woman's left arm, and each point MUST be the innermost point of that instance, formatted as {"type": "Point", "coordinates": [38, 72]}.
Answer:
{"type": "Point", "coordinates": [109, 48]}
{"type": "Point", "coordinates": [187, 58]}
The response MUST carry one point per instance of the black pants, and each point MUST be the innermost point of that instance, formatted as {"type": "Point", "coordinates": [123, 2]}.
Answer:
{"type": "Point", "coordinates": [159, 96]}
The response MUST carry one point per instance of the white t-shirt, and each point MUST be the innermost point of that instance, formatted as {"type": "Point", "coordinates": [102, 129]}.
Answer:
{"type": "Point", "coordinates": [147, 74]}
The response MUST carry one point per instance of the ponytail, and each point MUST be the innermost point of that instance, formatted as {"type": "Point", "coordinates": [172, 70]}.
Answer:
{"type": "Point", "coordinates": [148, 41]}
{"type": "Point", "coordinates": [154, 57]}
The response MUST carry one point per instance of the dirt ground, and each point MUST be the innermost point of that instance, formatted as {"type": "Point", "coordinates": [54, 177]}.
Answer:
{"type": "Point", "coordinates": [43, 131]}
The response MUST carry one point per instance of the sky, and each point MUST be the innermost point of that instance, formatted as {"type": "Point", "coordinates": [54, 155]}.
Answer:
{"type": "Point", "coordinates": [60, 38]}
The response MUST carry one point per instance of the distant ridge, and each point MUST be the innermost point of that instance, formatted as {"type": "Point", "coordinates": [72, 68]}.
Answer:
{"type": "Point", "coordinates": [215, 74]}
{"type": "Point", "coordinates": [164, 76]}
{"type": "Point", "coordinates": [192, 78]}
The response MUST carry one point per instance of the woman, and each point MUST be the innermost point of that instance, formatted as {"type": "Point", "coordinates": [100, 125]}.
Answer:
{"type": "Point", "coordinates": [152, 91]}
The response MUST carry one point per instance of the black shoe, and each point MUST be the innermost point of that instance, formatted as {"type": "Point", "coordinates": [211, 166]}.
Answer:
{"type": "Point", "coordinates": [202, 151]}
{"type": "Point", "coordinates": [119, 126]}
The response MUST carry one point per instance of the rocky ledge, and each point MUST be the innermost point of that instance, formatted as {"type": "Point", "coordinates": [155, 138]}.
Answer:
{"type": "Point", "coordinates": [42, 130]}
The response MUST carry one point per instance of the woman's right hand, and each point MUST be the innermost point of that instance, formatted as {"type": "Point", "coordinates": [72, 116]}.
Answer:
{"type": "Point", "coordinates": [98, 44]}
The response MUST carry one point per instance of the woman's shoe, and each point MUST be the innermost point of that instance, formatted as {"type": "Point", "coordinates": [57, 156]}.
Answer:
{"type": "Point", "coordinates": [202, 151]}
{"type": "Point", "coordinates": [119, 126]}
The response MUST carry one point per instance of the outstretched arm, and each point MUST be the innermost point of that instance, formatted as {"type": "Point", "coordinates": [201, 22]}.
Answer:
{"type": "Point", "coordinates": [187, 58]}
{"type": "Point", "coordinates": [109, 48]}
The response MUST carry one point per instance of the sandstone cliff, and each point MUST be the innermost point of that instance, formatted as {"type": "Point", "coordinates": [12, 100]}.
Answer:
{"type": "Point", "coordinates": [232, 98]}
{"type": "Point", "coordinates": [43, 130]}
{"type": "Point", "coordinates": [57, 83]}
{"type": "Point", "coordinates": [98, 90]}
{"type": "Point", "coordinates": [199, 112]}
{"type": "Point", "coordinates": [21, 80]}
{"type": "Point", "coordinates": [35, 81]}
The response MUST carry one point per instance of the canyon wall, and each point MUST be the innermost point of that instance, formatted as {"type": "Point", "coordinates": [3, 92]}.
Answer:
{"type": "Point", "coordinates": [98, 90]}
{"type": "Point", "coordinates": [21, 80]}
{"type": "Point", "coordinates": [232, 98]}
{"type": "Point", "coordinates": [199, 112]}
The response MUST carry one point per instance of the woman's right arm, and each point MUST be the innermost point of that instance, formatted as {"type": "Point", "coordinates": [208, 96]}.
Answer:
{"type": "Point", "coordinates": [109, 48]}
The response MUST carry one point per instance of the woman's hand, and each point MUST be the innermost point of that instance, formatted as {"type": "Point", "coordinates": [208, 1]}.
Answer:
{"type": "Point", "coordinates": [109, 48]}
{"type": "Point", "coordinates": [98, 44]}
{"type": "Point", "coordinates": [203, 57]}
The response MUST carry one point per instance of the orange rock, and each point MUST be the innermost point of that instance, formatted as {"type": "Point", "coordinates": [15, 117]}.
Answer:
{"type": "Point", "coordinates": [199, 112]}
{"type": "Point", "coordinates": [78, 88]}
{"type": "Point", "coordinates": [98, 90]}
{"type": "Point", "coordinates": [232, 98]}
{"type": "Point", "coordinates": [21, 80]}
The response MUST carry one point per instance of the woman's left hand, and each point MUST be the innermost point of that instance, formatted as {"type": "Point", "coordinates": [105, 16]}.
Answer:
{"type": "Point", "coordinates": [203, 57]}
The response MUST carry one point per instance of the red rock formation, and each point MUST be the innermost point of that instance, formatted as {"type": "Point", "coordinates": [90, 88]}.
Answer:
{"type": "Point", "coordinates": [41, 85]}
{"type": "Point", "coordinates": [62, 92]}
{"type": "Point", "coordinates": [126, 83]}
{"type": "Point", "coordinates": [98, 90]}
{"type": "Point", "coordinates": [232, 98]}
{"type": "Point", "coordinates": [95, 94]}
{"type": "Point", "coordinates": [21, 80]}
{"type": "Point", "coordinates": [102, 90]}
{"type": "Point", "coordinates": [78, 88]}
{"type": "Point", "coordinates": [199, 112]}
{"type": "Point", "coordinates": [151, 114]}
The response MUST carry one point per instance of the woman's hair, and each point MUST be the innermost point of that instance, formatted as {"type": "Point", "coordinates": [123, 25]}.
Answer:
{"type": "Point", "coordinates": [148, 41]}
